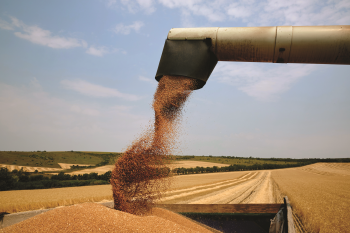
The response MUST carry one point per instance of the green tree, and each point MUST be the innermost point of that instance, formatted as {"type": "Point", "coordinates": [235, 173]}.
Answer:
{"type": "Point", "coordinates": [7, 180]}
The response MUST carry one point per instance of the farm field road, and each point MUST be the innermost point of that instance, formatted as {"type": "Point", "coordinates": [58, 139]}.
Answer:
{"type": "Point", "coordinates": [247, 187]}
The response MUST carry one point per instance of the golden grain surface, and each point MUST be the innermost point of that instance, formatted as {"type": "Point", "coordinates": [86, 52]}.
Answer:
{"type": "Point", "coordinates": [90, 217]}
{"type": "Point", "coordinates": [319, 194]}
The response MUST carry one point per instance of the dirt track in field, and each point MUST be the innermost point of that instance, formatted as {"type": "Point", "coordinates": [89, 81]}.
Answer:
{"type": "Point", "coordinates": [250, 187]}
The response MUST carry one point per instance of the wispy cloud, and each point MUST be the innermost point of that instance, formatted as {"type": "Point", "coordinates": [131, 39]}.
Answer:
{"type": "Point", "coordinates": [126, 29]}
{"type": "Point", "coordinates": [94, 90]}
{"type": "Point", "coordinates": [260, 81]}
{"type": "Point", "coordinates": [97, 51]}
{"type": "Point", "coordinates": [310, 12]}
{"type": "Point", "coordinates": [133, 6]}
{"type": "Point", "coordinates": [84, 111]}
{"type": "Point", "coordinates": [5, 25]}
{"type": "Point", "coordinates": [111, 3]}
{"type": "Point", "coordinates": [75, 124]}
{"type": "Point", "coordinates": [212, 10]}
{"type": "Point", "coordinates": [151, 81]}
{"type": "Point", "coordinates": [251, 12]}
{"type": "Point", "coordinates": [44, 37]}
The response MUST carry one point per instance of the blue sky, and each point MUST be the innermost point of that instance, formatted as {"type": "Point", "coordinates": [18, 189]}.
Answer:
{"type": "Point", "coordinates": [79, 75]}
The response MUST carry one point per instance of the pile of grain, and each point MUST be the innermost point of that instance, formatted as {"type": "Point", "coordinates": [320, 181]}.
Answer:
{"type": "Point", "coordinates": [90, 217]}
{"type": "Point", "coordinates": [138, 176]}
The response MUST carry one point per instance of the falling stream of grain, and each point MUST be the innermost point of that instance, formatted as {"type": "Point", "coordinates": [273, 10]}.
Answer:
{"type": "Point", "coordinates": [138, 176]}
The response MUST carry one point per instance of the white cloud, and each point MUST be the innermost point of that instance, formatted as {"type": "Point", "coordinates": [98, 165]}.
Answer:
{"type": "Point", "coordinates": [147, 5]}
{"type": "Point", "coordinates": [43, 37]}
{"type": "Point", "coordinates": [144, 79]}
{"type": "Point", "coordinates": [212, 10]}
{"type": "Point", "coordinates": [95, 90]}
{"type": "Point", "coordinates": [34, 83]}
{"type": "Point", "coordinates": [5, 25]}
{"type": "Point", "coordinates": [285, 12]}
{"type": "Point", "coordinates": [84, 111]}
{"type": "Point", "coordinates": [32, 119]}
{"type": "Point", "coordinates": [97, 51]}
{"type": "Point", "coordinates": [259, 80]}
{"type": "Point", "coordinates": [319, 145]}
{"type": "Point", "coordinates": [251, 12]}
{"type": "Point", "coordinates": [134, 6]}
{"type": "Point", "coordinates": [111, 3]}
{"type": "Point", "coordinates": [239, 10]}
{"type": "Point", "coordinates": [126, 29]}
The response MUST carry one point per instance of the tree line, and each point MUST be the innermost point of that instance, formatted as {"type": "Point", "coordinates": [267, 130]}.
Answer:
{"type": "Point", "coordinates": [19, 180]}
{"type": "Point", "coordinates": [234, 167]}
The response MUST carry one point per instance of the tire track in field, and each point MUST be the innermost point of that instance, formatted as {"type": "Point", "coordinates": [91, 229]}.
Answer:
{"type": "Point", "coordinates": [254, 187]}
{"type": "Point", "coordinates": [252, 191]}
{"type": "Point", "coordinates": [181, 195]}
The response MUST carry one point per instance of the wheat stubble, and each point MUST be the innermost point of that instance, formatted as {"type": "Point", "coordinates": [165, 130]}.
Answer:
{"type": "Point", "coordinates": [138, 176]}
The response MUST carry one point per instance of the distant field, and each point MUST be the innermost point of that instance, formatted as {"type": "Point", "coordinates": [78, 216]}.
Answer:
{"type": "Point", "coordinates": [30, 169]}
{"type": "Point", "coordinates": [98, 170]}
{"type": "Point", "coordinates": [51, 159]}
{"type": "Point", "coordinates": [236, 160]}
{"type": "Point", "coordinates": [189, 164]}
{"type": "Point", "coordinates": [176, 164]}
{"type": "Point", "coordinates": [63, 166]}
{"type": "Point", "coordinates": [319, 194]}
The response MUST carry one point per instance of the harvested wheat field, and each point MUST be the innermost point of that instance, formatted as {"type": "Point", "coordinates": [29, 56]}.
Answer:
{"type": "Point", "coordinates": [29, 169]}
{"type": "Point", "coordinates": [91, 217]}
{"type": "Point", "coordinates": [330, 169]}
{"type": "Point", "coordinates": [177, 164]}
{"type": "Point", "coordinates": [99, 170]}
{"type": "Point", "coordinates": [193, 164]}
{"type": "Point", "coordinates": [41, 169]}
{"type": "Point", "coordinates": [237, 188]}
{"type": "Point", "coordinates": [184, 181]}
{"type": "Point", "coordinates": [69, 165]}
{"type": "Point", "coordinates": [319, 194]}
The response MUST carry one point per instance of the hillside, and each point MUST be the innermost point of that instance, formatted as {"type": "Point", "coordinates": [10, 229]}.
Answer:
{"type": "Point", "coordinates": [51, 159]}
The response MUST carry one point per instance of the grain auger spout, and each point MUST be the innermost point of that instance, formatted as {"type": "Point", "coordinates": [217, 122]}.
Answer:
{"type": "Point", "coordinates": [194, 52]}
